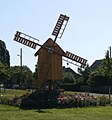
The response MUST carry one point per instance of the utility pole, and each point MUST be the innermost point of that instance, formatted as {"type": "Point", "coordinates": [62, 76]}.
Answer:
{"type": "Point", "coordinates": [21, 65]}
{"type": "Point", "coordinates": [110, 77]}
{"type": "Point", "coordinates": [20, 55]}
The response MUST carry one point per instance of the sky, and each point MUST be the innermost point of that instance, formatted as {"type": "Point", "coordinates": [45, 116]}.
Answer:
{"type": "Point", "coordinates": [88, 33]}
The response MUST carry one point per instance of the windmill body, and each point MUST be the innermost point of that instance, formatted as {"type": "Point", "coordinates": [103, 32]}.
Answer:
{"type": "Point", "coordinates": [50, 64]}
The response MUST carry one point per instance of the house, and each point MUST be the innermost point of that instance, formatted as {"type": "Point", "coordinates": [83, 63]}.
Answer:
{"type": "Point", "coordinates": [68, 69]}
{"type": "Point", "coordinates": [96, 64]}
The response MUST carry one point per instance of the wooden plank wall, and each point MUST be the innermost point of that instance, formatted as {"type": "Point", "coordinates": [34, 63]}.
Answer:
{"type": "Point", "coordinates": [54, 62]}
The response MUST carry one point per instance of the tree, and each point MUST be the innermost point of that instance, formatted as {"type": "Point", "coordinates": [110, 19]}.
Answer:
{"type": "Point", "coordinates": [107, 64]}
{"type": "Point", "coordinates": [68, 77]}
{"type": "Point", "coordinates": [84, 75]}
{"type": "Point", "coordinates": [101, 75]}
{"type": "Point", "coordinates": [4, 54]}
{"type": "Point", "coordinates": [27, 77]}
{"type": "Point", "coordinates": [35, 74]}
{"type": "Point", "coordinates": [15, 76]}
{"type": "Point", "coordinates": [97, 79]}
{"type": "Point", "coordinates": [4, 74]}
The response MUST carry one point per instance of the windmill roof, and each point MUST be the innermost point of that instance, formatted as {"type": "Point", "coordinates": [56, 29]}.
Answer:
{"type": "Point", "coordinates": [49, 43]}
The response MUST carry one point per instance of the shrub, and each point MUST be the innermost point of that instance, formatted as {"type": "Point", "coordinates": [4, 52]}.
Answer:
{"type": "Point", "coordinates": [76, 100]}
{"type": "Point", "coordinates": [55, 99]}
{"type": "Point", "coordinates": [4, 100]}
{"type": "Point", "coordinates": [103, 100]}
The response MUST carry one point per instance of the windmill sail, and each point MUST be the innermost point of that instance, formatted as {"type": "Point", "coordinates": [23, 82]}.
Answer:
{"type": "Point", "coordinates": [76, 58]}
{"type": "Point", "coordinates": [60, 26]}
{"type": "Point", "coordinates": [25, 39]}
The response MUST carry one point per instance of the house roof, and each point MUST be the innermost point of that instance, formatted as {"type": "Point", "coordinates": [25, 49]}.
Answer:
{"type": "Point", "coordinates": [49, 43]}
{"type": "Point", "coordinates": [68, 69]}
{"type": "Point", "coordinates": [96, 64]}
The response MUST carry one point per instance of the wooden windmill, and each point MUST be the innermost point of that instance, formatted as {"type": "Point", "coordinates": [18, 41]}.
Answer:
{"type": "Point", "coordinates": [50, 54]}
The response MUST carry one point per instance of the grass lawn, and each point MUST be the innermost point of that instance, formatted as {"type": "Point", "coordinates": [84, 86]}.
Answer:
{"type": "Point", "coordinates": [90, 113]}
{"type": "Point", "coordinates": [14, 113]}
{"type": "Point", "coordinates": [12, 93]}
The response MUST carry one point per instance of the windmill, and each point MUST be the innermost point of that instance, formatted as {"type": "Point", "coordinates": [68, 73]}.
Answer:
{"type": "Point", "coordinates": [50, 54]}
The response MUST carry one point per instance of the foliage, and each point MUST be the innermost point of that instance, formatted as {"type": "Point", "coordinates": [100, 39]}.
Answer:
{"type": "Point", "coordinates": [103, 100]}
{"type": "Point", "coordinates": [4, 54]}
{"type": "Point", "coordinates": [4, 100]}
{"type": "Point", "coordinates": [8, 95]}
{"type": "Point", "coordinates": [76, 100]}
{"type": "Point", "coordinates": [101, 75]}
{"type": "Point", "coordinates": [68, 77]}
{"type": "Point", "coordinates": [39, 99]}
{"type": "Point", "coordinates": [70, 86]}
{"type": "Point", "coordinates": [14, 93]}
{"type": "Point", "coordinates": [16, 76]}
{"type": "Point", "coordinates": [46, 99]}
{"type": "Point", "coordinates": [4, 74]}
{"type": "Point", "coordinates": [35, 74]}
{"type": "Point", "coordinates": [84, 75]}
{"type": "Point", "coordinates": [12, 75]}
{"type": "Point", "coordinates": [97, 79]}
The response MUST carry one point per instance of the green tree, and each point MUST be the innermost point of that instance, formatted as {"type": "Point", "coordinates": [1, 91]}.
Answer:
{"type": "Point", "coordinates": [4, 54]}
{"type": "Point", "coordinates": [107, 65]}
{"type": "Point", "coordinates": [27, 77]}
{"type": "Point", "coordinates": [102, 74]}
{"type": "Point", "coordinates": [97, 79]}
{"type": "Point", "coordinates": [15, 76]}
{"type": "Point", "coordinates": [68, 77]}
{"type": "Point", "coordinates": [4, 74]}
{"type": "Point", "coordinates": [35, 74]}
{"type": "Point", "coordinates": [84, 75]}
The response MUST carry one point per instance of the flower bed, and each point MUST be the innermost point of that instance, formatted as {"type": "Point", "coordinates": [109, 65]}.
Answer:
{"type": "Point", "coordinates": [76, 100]}
{"type": "Point", "coordinates": [46, 99]}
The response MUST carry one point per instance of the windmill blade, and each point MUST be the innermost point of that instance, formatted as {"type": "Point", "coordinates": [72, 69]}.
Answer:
{"type": "Point", "coordinates": [26, 40]}
{"type": "Point", "coordinates": [75, 58]}
{"type": "Point", "coordinates": [60, 26]}
{"type": "Point", "coordinates": [71, 62]}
